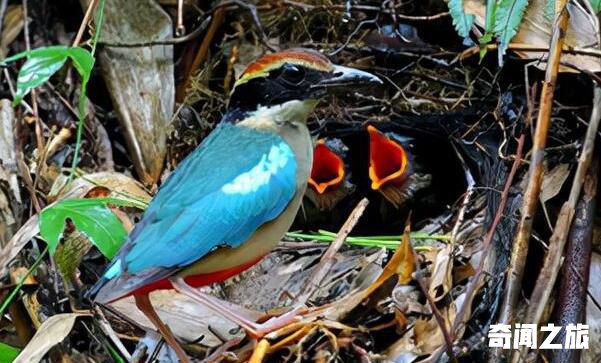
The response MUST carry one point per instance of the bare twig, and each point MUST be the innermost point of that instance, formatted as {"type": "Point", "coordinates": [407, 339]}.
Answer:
{"type": "Point", "coordinates": [531, 196]}
{"type": "Point", "coordinates": [179, 28]}
{"type": "Point", "coordinates": [469, 179]}
{"type": "Point", "coordinates": [327, 260]}
{"type": "Point", "coordinates": [177, 40]}
{"type": "Point", "coordinates": [438, 316]}
{"type": "Point", "coordinates": [307, 7]}
{"type": "Point", "coordinates": [3, 5]}
{"type": "Point", "coordinates": [487, 242]}
{"type": "Point", "coordinates": [548, 275]}
{"type": "Point", "coordinates": [470, 291]}
{"type": "Point", "coordinates": [84, 23]}
{"type": "Point", "coordinates": [202, 53]}
{"type": "Point", "coordinates": [34, 99]}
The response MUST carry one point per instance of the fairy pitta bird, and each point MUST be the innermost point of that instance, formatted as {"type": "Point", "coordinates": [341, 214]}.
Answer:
{"type": "Point", "coordinates": [232, 199]}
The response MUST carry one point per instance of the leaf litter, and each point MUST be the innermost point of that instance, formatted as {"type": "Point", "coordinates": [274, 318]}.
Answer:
{"type": "Point", "coordinates": [424, 299]}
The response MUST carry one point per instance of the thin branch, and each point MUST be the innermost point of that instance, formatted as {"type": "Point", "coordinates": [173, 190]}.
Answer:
{"type": "Point", "coordinates": [177, 40]}
{"type": "Point", "coordinates": [84, 23]}
{"type": "Point", "coordinates": [327, 260]}
{"type": "Point", "coordinates": [548, 275]}
{"type": "Point", "coordinates": [519, 252]}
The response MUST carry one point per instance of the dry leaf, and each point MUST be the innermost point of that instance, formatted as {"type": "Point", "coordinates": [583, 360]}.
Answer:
{"type": "Point", "coordinates": [553, 181]}
{"type": "Point", "coordinates": [428, 335]}
{"type": "Point", "coordinates": [463, 272]}
{"type": "Point", "coordinates": [118, 185]}
{"type": "Point", "coordinates": [406, 266]}
{"type": "Point", "coordinates": [442, 277]}
{"type": "Point", "coordinates": [52, 332]}
{"type": "Point", "coordinates": [404, 349]}
{"type": "Point", "coordinates": [13, 24]}
{"type": "Point", "coordinates": [140, 79]}
{"type": "Point", "coordinates": [187, 319]}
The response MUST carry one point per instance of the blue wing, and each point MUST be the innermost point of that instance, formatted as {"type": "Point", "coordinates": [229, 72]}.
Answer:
{"type": "Point", "coordinates": [237, 180]}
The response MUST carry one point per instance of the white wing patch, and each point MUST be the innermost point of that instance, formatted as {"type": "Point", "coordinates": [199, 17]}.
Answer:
{"type": "Point", "coordinates": [277, 158]}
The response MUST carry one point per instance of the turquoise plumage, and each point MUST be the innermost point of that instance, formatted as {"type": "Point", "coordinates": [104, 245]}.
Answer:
{"type": "Point", "coordinates": [237, 180]}
{"type": "Point", "coordinates": [229, 203]}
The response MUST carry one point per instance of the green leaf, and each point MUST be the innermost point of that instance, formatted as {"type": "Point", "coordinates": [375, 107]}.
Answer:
{"type": "Point", "coordinates": [83, 61]}
{"type": "Point", "coordinates": [42, 63]}
{"type": "Point", "coordinates": [550, 9]}
{"type": "Point", "coordinates": [90, 216]}
{"type": "Point", "coordinates": [596, 5]}
{"type": "Point", "coordinates": [462, 21]}
{"type": "Point", "coordinates": [35, 72]}
{"type": "Point", "coordinates": [8, 353]}
{"type": "Point", "coordinates": [491, 14]}
{"type": "Point", "coordinates": [509, 17]}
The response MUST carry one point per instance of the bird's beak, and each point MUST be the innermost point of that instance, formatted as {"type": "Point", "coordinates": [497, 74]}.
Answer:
{"type": "Point", "coordinates": [345, 76]}
{"type": "Point", "coordinates": [328, 169]}
{"type": "Point", "coordinates": [388, 161]}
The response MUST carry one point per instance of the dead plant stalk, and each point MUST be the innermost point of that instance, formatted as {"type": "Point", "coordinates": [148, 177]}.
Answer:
{"type": "Point", "coordinates": [519, 252]}
{"type": "Point", "coordinates": [548, 275]}
{"type": "Point", "coordinates": [327, 260]}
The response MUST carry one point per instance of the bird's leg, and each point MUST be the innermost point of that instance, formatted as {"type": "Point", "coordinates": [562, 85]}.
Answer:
{"type": "Point", "coordinates": [253, 329]}
{"type": "Point", "coordinates": [143, 303]}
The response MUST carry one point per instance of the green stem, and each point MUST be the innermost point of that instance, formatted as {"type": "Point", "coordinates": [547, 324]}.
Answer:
{"type": "Point", "coordinates": [17, 288]}
{"type": "Point", "coordinates": [391, 242]}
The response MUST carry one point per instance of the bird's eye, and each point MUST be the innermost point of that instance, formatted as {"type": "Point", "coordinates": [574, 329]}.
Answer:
{"type": "Point", "coordinates": [292, 74]}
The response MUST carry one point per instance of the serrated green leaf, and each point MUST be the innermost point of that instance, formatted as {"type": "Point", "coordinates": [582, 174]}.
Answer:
{"type": "Point", "coordinates": [8, 353]}
{"type": "Point", "coordinates": [462, 21]}
{"type": "Point", "coordinates": [550, 9]}
{"type": "Point", "coordinates": [596, 5]}
{"type": "Point", "coordinates": [491, 15]}
{"type": "Point", "coordinates": [508, 19]}
{"type": "Point", "coordinates": [42, 63]}
{"type": "Point", "coordinates": [90, 216]}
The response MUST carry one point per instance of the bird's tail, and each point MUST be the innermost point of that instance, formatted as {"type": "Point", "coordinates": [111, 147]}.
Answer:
{"type": "Point", "coordinates": [117, 283]}
{"type": "Point", "coordinates": [94, 290]}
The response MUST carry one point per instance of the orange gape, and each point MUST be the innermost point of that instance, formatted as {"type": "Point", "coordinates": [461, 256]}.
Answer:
{"type": "Point", "coordinates": [388, 162]}
{"type": "Point", "coordinates": [328, 168]}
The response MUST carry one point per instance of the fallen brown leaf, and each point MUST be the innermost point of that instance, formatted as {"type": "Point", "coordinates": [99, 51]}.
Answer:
{"type": "Point", "coordinates": [53, 331]}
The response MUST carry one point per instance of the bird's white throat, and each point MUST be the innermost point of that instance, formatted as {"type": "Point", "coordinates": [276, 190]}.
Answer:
{"type": "Point", "coordinates": [268, 117]}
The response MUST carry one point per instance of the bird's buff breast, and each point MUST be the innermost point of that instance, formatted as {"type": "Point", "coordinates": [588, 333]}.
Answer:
{"type": "Point", "coordinates": [270, 233]}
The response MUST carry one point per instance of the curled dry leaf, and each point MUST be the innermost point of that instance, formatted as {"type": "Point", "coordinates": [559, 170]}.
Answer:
{"type": "Point", "coordinates": [140, 79]}
{"type": "Point", "coordinates": [406, 265]}
{"type": "Point", "coordinates": [50, 333]}
{"type": "Point", "coordinates": [12, 27]}
{"type": "Point", "coordinates": [553, 181]}
{"type": "Point", "coordinates": [536, 29]}
{"type": "Point", "coordinates": [117, 185]}
{"type": "Point", "coordinates": [442, 277]}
